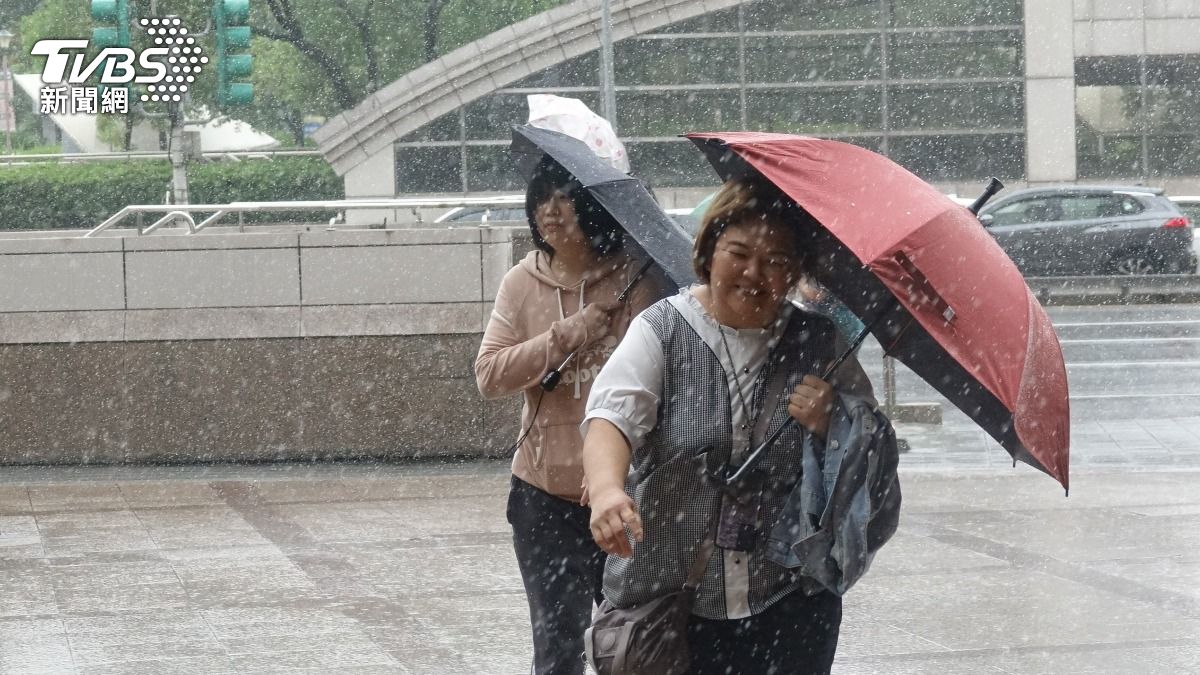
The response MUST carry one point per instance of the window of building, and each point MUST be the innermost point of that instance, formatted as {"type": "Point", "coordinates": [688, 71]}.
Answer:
{"type": "Point", "coordinates": [788, 15]}
{"type": "Point", "coordinates": [428, 168]}
{"type": "Point", "coordinates": [666, 114]}
{"type": "Point", "coordinates": [924, 13]}
{"type": "Point", "coordinates": [1138, 118]}
{"type": "Point", "coordinates": [960, 156]}
{"type": "Point", "coordinates": [490, 169]}
{"type": "Point", "coordinates": [813, 58]}
{"type": "Point", "coordinates": [955, 55]}
{"type": "Point", "coordinates": [939, 87]}
{"type": "Point", "coordinates": [673, 61]}
{"type": "Point", "coordinates": [674, 163]}
{"type": "Point", "coordinates": [577, 72]}
{"type": "Point", "coordinates": [824, 112]}
{"type": "Point", "coordinates": [957, 106]}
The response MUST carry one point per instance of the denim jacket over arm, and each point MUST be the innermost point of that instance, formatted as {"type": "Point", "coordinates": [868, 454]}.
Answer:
{"type": "Point", "coordinates": [847, 503]}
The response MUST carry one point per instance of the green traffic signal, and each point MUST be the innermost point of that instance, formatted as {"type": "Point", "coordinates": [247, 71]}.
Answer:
{"type": "Point", "coordinates": [106, 37]}
{"type": "Point", "coordinates": [117, 33]}
{"type": "Point", "coordinates": [236, 11]}
{"type": "Point", "coordinates": [232, 66]}
{"type": "Point", "coordinates": [237, 37]}
{"type": "Point", "coordinates": [239, 93]}
{"type": "Point", "coordinates": [111, 12]}
{"type": "Point", "coordinates": [238, 66]}
{"type": "Point", "coordinates": [108, 10]}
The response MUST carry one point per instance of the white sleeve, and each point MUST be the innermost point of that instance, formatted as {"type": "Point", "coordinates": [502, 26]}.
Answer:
{"type": "Point", "coordinates": [628, 389]}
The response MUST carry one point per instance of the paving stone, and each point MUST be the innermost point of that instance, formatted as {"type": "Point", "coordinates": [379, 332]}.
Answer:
{"type": "Point", "coordinates": [408, 567]}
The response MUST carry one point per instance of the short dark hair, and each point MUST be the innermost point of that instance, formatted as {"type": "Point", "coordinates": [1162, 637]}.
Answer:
{"type": "Point", "coordinates": [745, 198]}
{"type": "Point", "coordinates": [602, 230]}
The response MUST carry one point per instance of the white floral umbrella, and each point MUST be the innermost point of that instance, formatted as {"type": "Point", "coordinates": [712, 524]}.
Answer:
{"type": "Point", "coordinates": [572, 117]}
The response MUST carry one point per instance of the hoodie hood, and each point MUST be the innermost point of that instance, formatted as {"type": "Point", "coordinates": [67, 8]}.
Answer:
{"type": "Point", "coordinates": [537, 264]}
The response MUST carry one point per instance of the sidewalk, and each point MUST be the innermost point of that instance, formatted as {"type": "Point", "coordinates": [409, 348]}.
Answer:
{"type": "Point", "coordinates": [409, 569]}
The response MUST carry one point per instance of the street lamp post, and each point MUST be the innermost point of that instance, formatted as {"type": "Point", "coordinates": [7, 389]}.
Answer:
{"type": "Point", "coordinates": [6, 112]}
{"type": "Point", "coordinates": [608, 97]}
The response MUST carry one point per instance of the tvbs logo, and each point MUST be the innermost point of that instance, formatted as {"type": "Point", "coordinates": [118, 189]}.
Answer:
{"type": "Point", "coordinates": [167, 69]}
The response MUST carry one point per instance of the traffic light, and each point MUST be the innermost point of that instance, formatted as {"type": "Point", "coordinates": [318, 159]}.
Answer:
{"type": "Point", "coordinates": [116, 14]}
{"type": "Point", "coordinates": [230, 18]}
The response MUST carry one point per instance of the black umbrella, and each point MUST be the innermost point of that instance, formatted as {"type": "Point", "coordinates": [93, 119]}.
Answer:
{"type": "Point", "coordinates": [624, 197]}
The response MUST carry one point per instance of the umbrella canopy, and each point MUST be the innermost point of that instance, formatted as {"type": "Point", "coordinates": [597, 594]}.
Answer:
{"type": "Point", "coordinates": [573, 118]}
{"type": "Point", "coordinates": [622, 195]}
{"type": "Point", "coordinates": [954, 308]}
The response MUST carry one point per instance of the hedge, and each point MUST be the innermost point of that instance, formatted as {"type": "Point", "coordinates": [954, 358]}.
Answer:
{"type": "Point", "coordinates": [79, 196]}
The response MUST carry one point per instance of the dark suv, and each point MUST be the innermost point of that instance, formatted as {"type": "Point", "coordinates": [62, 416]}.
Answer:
{"type": "Point", "coordinates": [1080, 230]}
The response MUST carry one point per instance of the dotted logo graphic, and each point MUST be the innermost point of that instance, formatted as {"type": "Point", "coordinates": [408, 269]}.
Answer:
{"type": "Point", "coordinates": [183, 64]}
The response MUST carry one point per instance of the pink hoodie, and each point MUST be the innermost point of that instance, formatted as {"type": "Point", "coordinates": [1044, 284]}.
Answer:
{"type": "Point", "coordinates": [535, 324]}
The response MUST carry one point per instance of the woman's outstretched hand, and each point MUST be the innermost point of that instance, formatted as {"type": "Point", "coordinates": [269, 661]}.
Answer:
{"type": "Point", "coordinates": [811, 404]}
{"type": "Point", "coordinates": [612, 512]}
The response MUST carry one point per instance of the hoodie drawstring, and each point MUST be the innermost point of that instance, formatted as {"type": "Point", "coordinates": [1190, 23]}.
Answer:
{"type": "Point", "coordinates": [579, 357]}
{"type": "Point", "coordinates": [562, 315]}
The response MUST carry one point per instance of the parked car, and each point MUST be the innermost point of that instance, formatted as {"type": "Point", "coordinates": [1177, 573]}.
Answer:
{"type": "Point", "coordinates": [1190, 207]}
{"type": "Point", "coordinates": [1085, 230]}
{"type": "Point", "coordinates": [476, 215]}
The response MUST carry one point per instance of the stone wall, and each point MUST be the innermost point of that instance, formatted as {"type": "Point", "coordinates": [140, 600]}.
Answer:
{"type": "Point", "coordinates": [256, 347]}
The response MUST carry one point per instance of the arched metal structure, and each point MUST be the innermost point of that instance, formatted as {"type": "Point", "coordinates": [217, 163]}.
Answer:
{"type": "Point", "coordinates": [490, 63]}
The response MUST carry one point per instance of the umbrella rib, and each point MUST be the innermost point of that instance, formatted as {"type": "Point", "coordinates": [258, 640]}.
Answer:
{"type": "Point", "coordinates": [900, 335]}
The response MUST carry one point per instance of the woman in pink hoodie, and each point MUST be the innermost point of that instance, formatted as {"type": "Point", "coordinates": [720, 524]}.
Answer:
{"type": "Point", "coordinates": [560, 300]}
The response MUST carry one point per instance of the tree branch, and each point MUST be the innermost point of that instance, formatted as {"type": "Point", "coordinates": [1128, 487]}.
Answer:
{"type": "Point", "coordinates": [433, 18]}
{"type": "Point", "coordinates": [333, 70]}
{"type": "Point", "coordinates": [369, 45]}
{"type": "Point", "coordinates": [363, 24]}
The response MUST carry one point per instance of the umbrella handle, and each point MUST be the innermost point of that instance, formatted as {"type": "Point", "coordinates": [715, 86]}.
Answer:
{"type": "Point", "coordinates": [550, 380]}
{"type": "Point", "coordinates": [994, 185]}
{"type": "Point", "coordinates": [636, 278]}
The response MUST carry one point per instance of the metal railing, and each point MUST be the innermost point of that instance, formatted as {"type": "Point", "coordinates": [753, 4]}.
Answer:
{"type": "Point", "coordinates": [1048, 290]}
{"type": "Point", "coordinates": [71, 158]}
{"type": "Point", "coordinates": [1116, 289]}
{"type": "Point", "coordinates": [213, 213]}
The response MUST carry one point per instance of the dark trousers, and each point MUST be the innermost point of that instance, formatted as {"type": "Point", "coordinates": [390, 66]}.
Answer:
{"type": "Point", "coordinates": [796, 636]}
{"type": "Point", "coordinates": [562, 569]}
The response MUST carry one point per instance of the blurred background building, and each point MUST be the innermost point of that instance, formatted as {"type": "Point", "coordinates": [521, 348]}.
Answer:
{"type": "Point", "coordinates": [1040, 91]}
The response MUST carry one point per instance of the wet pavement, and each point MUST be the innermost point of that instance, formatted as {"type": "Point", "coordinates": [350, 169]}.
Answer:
{"type": "Point", "coordinates": [407, 568]}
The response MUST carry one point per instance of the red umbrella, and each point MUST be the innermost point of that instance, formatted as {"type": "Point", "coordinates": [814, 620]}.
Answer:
{"type": "Point", "coordinates": [962, 317]}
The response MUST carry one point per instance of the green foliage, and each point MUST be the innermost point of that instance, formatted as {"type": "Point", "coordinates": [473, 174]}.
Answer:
{"type": "Point", "coordinates": [284, 179]}
{"type": "Point", "coordinates": [53, 19]}
{"type": "Point", "coordinates": [11, 12]}
{"type": "Point", "coordinates": [44, 196]}
{"type": "Point", "coordinates": [464, 21]}
{"type": "Point", "coordinates": [311, 57]}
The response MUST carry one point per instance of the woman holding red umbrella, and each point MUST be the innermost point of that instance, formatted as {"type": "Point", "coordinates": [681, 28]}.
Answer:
{"type": "Point", "coordinates": [703, 376]}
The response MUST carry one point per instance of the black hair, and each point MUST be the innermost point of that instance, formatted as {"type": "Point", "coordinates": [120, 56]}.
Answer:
{"type": "Point", "coordinates": [602, 230]}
